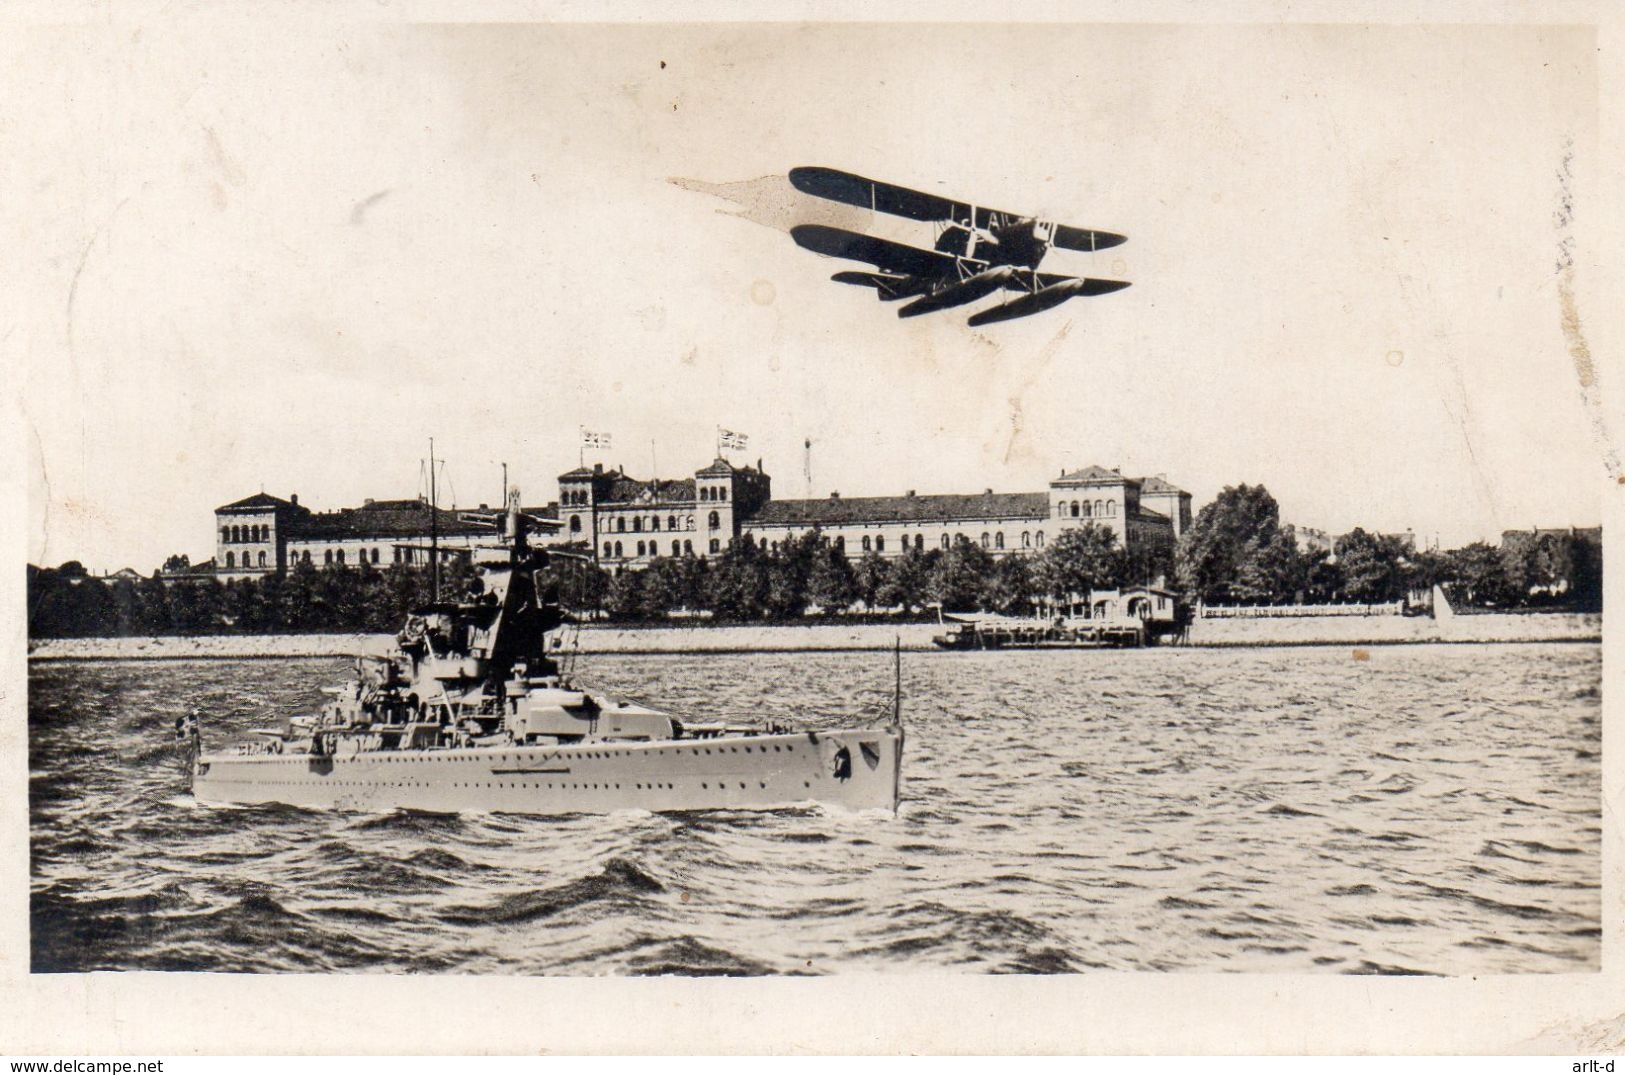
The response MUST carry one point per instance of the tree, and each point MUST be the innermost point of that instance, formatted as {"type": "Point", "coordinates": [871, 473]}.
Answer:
{"type": "Point", "coordinates": [1481, 577]}
{"type": "Point", "coordinates": [1080, 560]}
{"type": "Point", "coordinates": [1242, 521]}
{"type": "Point", "coordinates": [625, 598]}
{"type": "Point", "coordinates": [177, 564]}
{"type": "Point", "coordinates": [737, 586]}
{"type": "Point", "coordinates": [1322, 577]}
{"type": "Point", "coordinates": [869, 578]}
{"type": "Point", "coordinates": [1373, 567]}
{"type": "Point", "coordinates": [152, 616]}
{"type": "Point", "coordinates": [909, 578]}
{"type": "Point", "coordinates": [1274, 573]}
{"type": "Point", "coordinates": [830, 582]}
{"type": "Point", "coordinates": [1585, 572]}
{"type": "Point", "coordinates": [666, 586]}
{"type": "Point", "coordinates": [1427, 569]}
{"type": "Point", "coordinates": [957, 578]}
{"type": "Point", "coordinates": [1011, 587]}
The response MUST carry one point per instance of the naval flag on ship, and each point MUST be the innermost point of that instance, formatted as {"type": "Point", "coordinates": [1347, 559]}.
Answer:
{"type": "Point", "coordinates": [727, 438]}
{"type": "Point", "coordinates": [589, 439]}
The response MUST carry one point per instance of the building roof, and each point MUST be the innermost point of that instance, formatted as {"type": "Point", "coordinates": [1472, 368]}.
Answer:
{"type": "Point", "coordinates": [257, 502]}
{"type": "Point", "coordinates": [579, 472]}
{"type": "Point", "coordinates": [1590, 533]}
{"type": "Point", "coordinates": [1159, 484]}
{"type": "Point", "coordinates": [720, 467]}
{"type": "Point", "coordinates": [941, 508]}
{"type": "Point", "coordinates": [1093, 475]}
{"type": "Point", "coordinates": [660, 491]}
{"type": "Point", "coordinates": [381, 518]}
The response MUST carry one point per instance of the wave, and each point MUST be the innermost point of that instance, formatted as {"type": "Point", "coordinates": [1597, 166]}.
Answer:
{"type": "Point", "coordinates": [620, 881]}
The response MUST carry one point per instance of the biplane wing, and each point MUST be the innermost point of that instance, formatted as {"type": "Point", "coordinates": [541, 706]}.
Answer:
{"type": "Point", "coordinates": [849, 189]}
{"type": "Point", "coordinates": [885, 255]}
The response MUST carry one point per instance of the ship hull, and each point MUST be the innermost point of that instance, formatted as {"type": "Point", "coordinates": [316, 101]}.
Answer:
{"type": "Point", "coordinates": [855, 769]}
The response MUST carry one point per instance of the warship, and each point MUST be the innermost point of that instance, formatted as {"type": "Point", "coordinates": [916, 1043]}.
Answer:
{"type": "Point", "coordinates": [467, 710]}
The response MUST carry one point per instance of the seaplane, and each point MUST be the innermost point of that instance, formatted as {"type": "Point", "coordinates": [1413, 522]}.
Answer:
{"type": "Point", "coordinates": [977, 251]}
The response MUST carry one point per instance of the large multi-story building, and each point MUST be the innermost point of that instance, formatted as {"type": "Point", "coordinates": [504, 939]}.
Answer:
{"type": "Point", "coordinates": [1141, 512]}
{"type": "Point", "coordinates": [628, 522]}
{"type": "Point", "coordinates": [264, 534]}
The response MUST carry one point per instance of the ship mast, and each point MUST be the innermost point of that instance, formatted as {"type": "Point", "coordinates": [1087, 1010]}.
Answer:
{"type": "Point", "coordinates": [434, 529]}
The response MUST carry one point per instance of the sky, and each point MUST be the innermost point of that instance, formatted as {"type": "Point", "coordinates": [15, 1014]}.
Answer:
{"type": "Point", "coordinates": [284, 261]}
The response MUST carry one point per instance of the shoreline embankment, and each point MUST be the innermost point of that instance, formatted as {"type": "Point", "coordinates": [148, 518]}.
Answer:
{"type": "Point", "coordinates": [837, 638]}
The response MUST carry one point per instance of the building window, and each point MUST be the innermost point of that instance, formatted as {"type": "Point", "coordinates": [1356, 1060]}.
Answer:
{"type": "Point", "coordinates": [715, 545]}
{"type": "Point", "coordinates": [880, 544]}
{"type": "Point", "coordinates": [375, 556]}
{"type": "Point", "coordinates": [840, 543]}
{"type": "Point", "coordinates": [340, 556]}
{"type": "Point", "coordinates": [1074, 509]}
{"type": "Point", "coordinates": [618, 552]}
{"type": "Point", "coordinates": [1100, 509]}
{"type": "Point", "coordinates": [1040, 539]}
{"type": "Point", "coordinates": [637, 525]}
{"type": "Point", "coordinates": [408, 555]}
{"type": "Point", "coordinates": [231, 559]}
{"type": "Point", "coordinates": [1086, 513]}
{"type": "Point", "coordinates": [998, 540]}
{"type": "Point", "coordinates": [987, 540]}
{"type": "Point", "coordinates": [609, 550]}
{"type": "Point", "coordinates": [262, 559]}
{"type": "Point", "coordinates": [919, 542]}
{"type": "Point", "coordinates": [671, 522]}
{"type": "Point", "coordinates": [690, 525]}
{"type": "Point", "coordinates": [676, 547]}
{"type": "Point", "coordinates": [654, 522]}
{"type": "Point", "coordinates": [722, 494]}
{"type": "Point", "coordinates": [715, 521]}
{"type": "Point", "coordinates": [945, 541]}
{"type": "Point", "coordinates": [1111, 508]}
{"type": "Point", "coordinates": [225, 535]}
{"type": "Point", "coordinates": [328, 556]}
{"type": "Point", "coordinates": [620, 526]}
{"type": "Point", "coordinates": [575, 524]}
{"type": "Point", "coordinates": [640, 548]}
{"type": "Point", "coordinates": [688, 548]}
{"type": "Point", "coordinates": [866, 543]}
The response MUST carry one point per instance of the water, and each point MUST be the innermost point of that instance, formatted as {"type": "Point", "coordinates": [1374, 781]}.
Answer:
{"type": "Point", "coordinates": [1431, 809]}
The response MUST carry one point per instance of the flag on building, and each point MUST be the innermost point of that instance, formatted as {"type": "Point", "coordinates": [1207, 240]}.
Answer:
{"type": "Point", "coordinates": [731, 440]}
{"type": "Point", "coordinates": [589, 439]}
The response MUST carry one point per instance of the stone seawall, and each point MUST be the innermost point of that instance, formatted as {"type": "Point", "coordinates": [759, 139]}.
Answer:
{"type": "Point", "coordinates": [1318, 631]}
